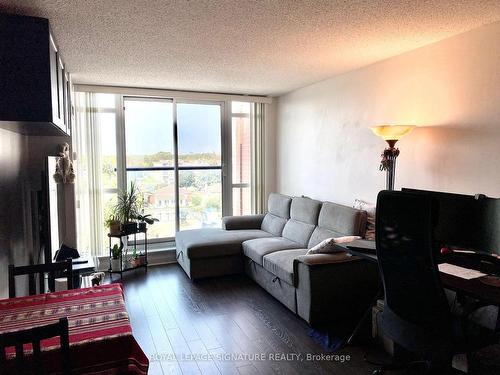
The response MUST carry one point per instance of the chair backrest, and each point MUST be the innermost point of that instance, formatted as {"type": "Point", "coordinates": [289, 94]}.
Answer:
{"type": "Point", "coordinates": [406, 257]}
{"type": "Point", "coordinates": [33, 336]}
{"type": "Point", "coordinates": [41, 269]}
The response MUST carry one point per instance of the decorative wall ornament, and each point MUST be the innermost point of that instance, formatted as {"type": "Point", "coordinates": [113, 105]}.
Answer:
{"type": "Point", "coordinates": [65, 173]}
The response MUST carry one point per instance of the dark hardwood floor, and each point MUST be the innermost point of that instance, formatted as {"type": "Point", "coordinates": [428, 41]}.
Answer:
{"type": "Point", "coordinates": [190, 328]}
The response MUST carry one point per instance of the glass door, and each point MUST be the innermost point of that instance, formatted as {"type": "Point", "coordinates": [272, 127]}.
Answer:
{"type": "Point", "coordinates": [150, 160]}
{"type": "Point", "coordinates": [172, 151]}
{"type": "Point", "coordinates": [199, 134]}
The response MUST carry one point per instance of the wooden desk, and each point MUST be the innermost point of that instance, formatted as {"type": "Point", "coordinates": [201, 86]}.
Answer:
{"type": "Point", "coordinates": [82, 269]}
{"type": "Point", "coordinates": [474, 287]}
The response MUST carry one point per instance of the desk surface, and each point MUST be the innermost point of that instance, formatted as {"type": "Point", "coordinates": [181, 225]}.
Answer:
{"type": "Point", "coordinates": [100, 334]}
{"type": "Point", "coordinates": [474, 287]}
{"type": "Point", "coordinates": [82, 267]}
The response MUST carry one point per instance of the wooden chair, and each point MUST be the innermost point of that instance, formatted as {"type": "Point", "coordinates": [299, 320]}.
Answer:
{"type": "Point", "coordinates": [34, 335]}
{"type": "Point", "coordinates": [41, 269]}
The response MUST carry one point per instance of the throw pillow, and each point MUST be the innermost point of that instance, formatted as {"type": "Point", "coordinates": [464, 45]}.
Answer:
{"type": "Point", "coordinates": [328, 246]}
{"type": "Point", "coordinates": [370, 209]}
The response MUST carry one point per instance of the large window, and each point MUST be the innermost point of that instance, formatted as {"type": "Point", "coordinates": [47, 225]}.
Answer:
{"type": "Point", "coordinates": [177, 168]}
{"type": "Point", "coordinates": [193, 161]}
{"type": "Point", "coordinates": [149, 158]}
{"type": "Point", "coordinates": [200, 165]}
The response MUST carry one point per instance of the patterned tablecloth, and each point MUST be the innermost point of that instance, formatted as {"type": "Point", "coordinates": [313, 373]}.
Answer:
{"type": "Point", "coordinates": [100, 333]}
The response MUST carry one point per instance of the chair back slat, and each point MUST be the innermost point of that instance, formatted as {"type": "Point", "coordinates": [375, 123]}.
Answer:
{"type": "Point", "coordinates": [19, 350]}
{"type": "Point", "coordinates": [52, 281]}
{"type": "Point", "coordinates": [70, 277]}
{"type": "Point", "coordinates": [37, 357]}
{"type": "Point", "coordinates": [41, 282]}
{"type": "Point", "coordinates": [20, 358]}
{"type": "Point", "coordinates": [34, 336]}
{"type": "Point", "coordinates": [40, 269]}
{"type": "Point", "coordinates": [66, 365]}
{"type": "Point", "coordinates": [12, 284]}
{"type": "Point", "coordinates": [32, 284]}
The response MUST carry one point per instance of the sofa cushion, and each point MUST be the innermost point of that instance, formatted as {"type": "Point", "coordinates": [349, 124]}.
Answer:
{"type": "Point", "coordinates": [279, 205]}
{"type": "Point", "coordinates": [305, 210]}
{"type": "Point", "coordinates": [208, 242]}
{"type": "Point", "coordinates": [336, 220]}
{"type": "Point", "coordinates": [273, 224]}
{"type": "Point", "coordinates": [304, 217]}
{"type": "Point", "coordinates": [281, 264]}
{"type": "Point", "coordinates": [257, 248]}
{"type": "Point", "coordinates": [329, 245]}
{"type": "Point", "coordinates": [298, 231]}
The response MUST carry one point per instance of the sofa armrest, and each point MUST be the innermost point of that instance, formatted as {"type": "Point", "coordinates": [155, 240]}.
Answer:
{"type": "Point", "coordinates": [242, 222]}
{"type": "Point", "coordinates": [334, 287]}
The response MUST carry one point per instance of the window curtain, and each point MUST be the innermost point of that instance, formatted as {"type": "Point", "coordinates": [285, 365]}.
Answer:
{"type": "Point", "coordinates": [88, 187]}
{"type": "Point", "coordinates": [258, 158]}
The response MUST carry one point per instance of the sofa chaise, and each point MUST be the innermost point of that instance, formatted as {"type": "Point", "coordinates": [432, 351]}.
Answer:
{"type": "Point", "coordinates": [271, 249]}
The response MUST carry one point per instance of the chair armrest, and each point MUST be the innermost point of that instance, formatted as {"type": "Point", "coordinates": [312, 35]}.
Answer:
{"type": "Point", "coordinates": [242, 222]}
{"type": "Point", "coordinates": [318, 259]}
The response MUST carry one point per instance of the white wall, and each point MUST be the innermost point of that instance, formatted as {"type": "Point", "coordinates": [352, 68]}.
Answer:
{"type": "Point", "coordinates": [450, 89]}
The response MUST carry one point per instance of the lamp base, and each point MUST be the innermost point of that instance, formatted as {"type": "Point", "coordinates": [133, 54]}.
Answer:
{"type": "Point", "coordinates": [388, 164]}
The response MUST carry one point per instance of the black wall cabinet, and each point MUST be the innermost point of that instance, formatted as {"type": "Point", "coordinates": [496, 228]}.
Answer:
{"type": "Point", "coordinates": [35, 86]}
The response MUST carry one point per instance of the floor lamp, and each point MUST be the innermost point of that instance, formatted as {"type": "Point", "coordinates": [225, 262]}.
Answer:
{"type": "Point", "coordinates": [391, 134]}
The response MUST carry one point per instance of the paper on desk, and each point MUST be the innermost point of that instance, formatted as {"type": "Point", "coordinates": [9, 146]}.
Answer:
{"type": "Point", "coordinates": [464, 273]}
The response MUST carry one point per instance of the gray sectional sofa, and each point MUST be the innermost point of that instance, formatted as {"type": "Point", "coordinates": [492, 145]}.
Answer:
{"type": "Point", "coordinates": [271, 249]}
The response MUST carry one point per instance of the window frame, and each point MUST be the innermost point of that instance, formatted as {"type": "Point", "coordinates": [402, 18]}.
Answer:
{"type": "Point", "coordinates": [121, 151]}
{"type": "Point", "coordinates": [248, 184]}
{"type": "Point", "coordinates": [225, 101]}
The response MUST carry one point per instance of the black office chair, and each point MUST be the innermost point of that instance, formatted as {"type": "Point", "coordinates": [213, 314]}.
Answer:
{"type": "Point", "coordinates": [416, 314]}
{"type": "Point", "coordinates": [34, 364]}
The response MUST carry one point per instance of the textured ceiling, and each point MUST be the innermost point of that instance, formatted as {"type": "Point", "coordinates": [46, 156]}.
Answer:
{"type": "Point", "coordinates": [242, 46]}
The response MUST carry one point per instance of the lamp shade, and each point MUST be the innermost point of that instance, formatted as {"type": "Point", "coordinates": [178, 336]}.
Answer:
{"type": "Point", "coordinates": [392, 132]}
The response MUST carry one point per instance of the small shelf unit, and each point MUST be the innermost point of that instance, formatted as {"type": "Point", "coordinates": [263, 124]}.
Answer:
{"type": "Point", "coordinates": [120, 236]}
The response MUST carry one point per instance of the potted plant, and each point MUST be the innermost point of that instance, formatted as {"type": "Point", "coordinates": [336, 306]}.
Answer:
{"type": "Point", "coordinates": [113, 224]}
{"type": "Point", "coordinates": [116, 252]}
{"type": "Point", "coordinates": [142, 259]}
{"type": "Point", "coordinates": [134, 260]}
{"type": "Point", "coordinates": [128, 207]}
{"type": "Point", "coordinates": [145, 219]}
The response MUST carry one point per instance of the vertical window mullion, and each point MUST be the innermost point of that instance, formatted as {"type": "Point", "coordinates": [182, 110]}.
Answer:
{"type": "Point", "coordinates": [226, 172]}
{"type": "Point", "coordinates": [121, 149]}
{"type": "Point", "coordinates": [176, 167]}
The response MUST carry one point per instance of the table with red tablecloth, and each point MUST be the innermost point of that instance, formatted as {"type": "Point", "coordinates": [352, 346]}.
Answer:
{"type": "Point", "coordinates": [100, 334]}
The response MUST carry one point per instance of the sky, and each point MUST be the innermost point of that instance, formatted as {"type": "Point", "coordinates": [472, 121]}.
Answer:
{"type": "Point", "coordinates": [149, 127]}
